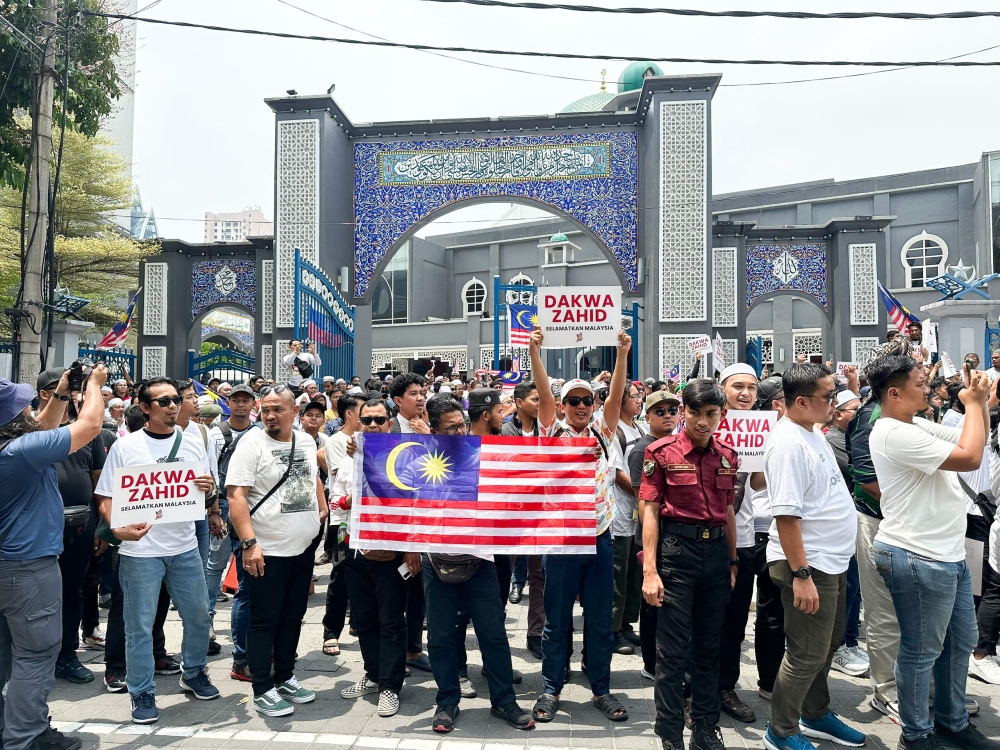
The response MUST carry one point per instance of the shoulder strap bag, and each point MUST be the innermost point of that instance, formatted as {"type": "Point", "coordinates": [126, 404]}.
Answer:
{"type": "Point", "coordinates": [288, 470]}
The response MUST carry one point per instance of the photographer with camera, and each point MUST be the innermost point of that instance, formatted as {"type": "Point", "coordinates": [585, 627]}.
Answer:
{"type": "Point", "coordinates": [31, 539]}
{"type": "Point", "coordinates": [300, 364]}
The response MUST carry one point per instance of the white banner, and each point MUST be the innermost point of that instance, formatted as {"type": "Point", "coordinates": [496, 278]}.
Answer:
{"type": "Point", "coordinates": [157, 493]}
{"type": "Point", "coordinates": [928, 336]}
{"type": "Point", "coordinates": [947, 366]}
{"type": "Point", "coordinates": [580, 316]}
{"type": "Point", "coordinates": [748, 432]}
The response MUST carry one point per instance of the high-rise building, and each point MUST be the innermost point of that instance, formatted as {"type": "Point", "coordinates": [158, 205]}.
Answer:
{"type": "Point", "coordinates": [120, 123]}
{"type": "Point", "coordinates": [143, 222]}
{"type": "Point", "coordinates": [236, 227]}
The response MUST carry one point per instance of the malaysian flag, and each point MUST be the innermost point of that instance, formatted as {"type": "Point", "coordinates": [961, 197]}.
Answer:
{"type": "Point", "coordinates": [222, 401]}
{"type": "Point", "coordinates": [522, 320]}
{"type": "Point", "coordinates": [474, 495]}
{"type": "Point", "coordinates": [120, 330]}
{"type": "Point", "coordinates": [319, 333]}
{"type": "Point", "coordinates": [898, 314]}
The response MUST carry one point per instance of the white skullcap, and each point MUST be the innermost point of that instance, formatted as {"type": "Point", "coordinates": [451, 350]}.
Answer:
{"type": "Point", "coordinates": [737, 368]}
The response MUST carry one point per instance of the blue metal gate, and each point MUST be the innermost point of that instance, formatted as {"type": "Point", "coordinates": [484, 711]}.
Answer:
{"type": "Point", "coordinates": [119, 360]}
{"type": "Point", "coordinates": [578, 362]}
{"type": "Point", "coordinates": [324, 318]}
{"type": "Point", "coordinates": [229, 365]}
{"type": "Point", "coordinates": [992, 342]}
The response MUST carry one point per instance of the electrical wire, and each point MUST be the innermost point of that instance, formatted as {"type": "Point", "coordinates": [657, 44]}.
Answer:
{"type": "Point", "coordinates": [691, 12]}
{"type": "Point", "coordinates": [561, 55]}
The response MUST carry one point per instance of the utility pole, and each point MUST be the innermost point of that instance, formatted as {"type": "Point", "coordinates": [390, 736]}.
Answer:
{"type": "Point", "coordinates": [38, 200]}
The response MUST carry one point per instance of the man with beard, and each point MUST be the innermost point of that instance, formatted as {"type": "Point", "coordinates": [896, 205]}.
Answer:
{"type": "Point", "coordinates": [31, 525]}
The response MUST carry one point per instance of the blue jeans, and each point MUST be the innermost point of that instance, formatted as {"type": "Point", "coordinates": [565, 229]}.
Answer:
{"type": "Point", "coordinates": [937, 629]}
{"type": "Point", "coordinates": [140, 577]}
{"type": "Point", "coordinates": [215, 566]}
{"type": "Point", "coordinates": [853, 604]}
{"type": "Point", "coordinates": [239, 620]}
{"type": "Point", "coordinates": [592, 577]}
{"type": "Point", "coordinates": [477, 597]}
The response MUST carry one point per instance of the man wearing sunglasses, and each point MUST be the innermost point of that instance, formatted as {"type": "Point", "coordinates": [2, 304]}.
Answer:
{"type": "Point", "coordinates": [662, 415]}
{"type": "Point", "coordinates": [589, 576]}
{"type": "Point", "coordinates": [151, 554]}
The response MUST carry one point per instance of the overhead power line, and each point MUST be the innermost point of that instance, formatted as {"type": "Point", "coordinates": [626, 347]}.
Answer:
{"type": "Point", "coordinates": [562, 55]}
{"type": "Point", "coordinates": [691, 12]}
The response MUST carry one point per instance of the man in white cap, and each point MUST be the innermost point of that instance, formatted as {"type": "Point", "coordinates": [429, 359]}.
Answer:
{"type": "Point", "coordinates": [116, 411]}
{"type": "Point", "coordinates": [589, 576]}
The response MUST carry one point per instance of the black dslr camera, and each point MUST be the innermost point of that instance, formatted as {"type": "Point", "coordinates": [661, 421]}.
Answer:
{"type": "Point", "coordinates": [79, 371]}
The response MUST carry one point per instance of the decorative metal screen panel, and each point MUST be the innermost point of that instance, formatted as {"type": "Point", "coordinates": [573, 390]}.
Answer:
{"type": "Point", "coordinates": [674, 350]}
{"type": "Point", "coordinates": [298, 207]}
{"type": "Point", "coordinates": [267, 298]}
{"type": "Point", "coordinates": [683, 210]}
{"type": "Point", "coordinates": [486, 355]}
{"type": "Point", "coordinates": [280, 350]}
{"type": "Point", "coordinates": [154, 300]}
{"type": "Point", "coordinates": [864, 290]}
{"type": "Point", "coordinates": [384, 359]}
{"type": "Point", "coordinates": [729, 349]}
{"type": "Point", "coordinates": [724, 286]}
{"type": "Point", "coordinates": [154, 362]}
{"type": "Point", "coordinates": [266, 360]}
{"type": "Point", "coordinates": [808, 343]}
{"type": "Point", "coordinates": [767, 345]}
{"type": "Point", "coordinates": [862, 347]}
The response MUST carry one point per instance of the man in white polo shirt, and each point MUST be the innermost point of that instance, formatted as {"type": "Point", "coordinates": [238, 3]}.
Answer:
{"type": "Point", "coordinates": [920, 548]}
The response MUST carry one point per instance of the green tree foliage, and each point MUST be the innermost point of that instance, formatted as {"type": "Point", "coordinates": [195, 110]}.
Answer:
{"type": "Point", "coordinates": [94, 80]}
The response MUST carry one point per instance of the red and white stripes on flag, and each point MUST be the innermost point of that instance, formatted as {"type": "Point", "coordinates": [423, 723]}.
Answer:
{"type": "Point", "coordinates": [536, 496]}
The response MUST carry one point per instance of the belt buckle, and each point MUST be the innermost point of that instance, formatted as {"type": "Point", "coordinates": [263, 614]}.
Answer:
{"type": "Point", "coordinates": [705, 533]}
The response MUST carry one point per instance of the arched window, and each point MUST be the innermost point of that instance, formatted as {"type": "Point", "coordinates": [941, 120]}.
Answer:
{"type": "Point", "coordinates": [474, 297]}
{"type": "Point", "coordinates": [521, 280]}
{"type": "Point", "coordinates": [923, 257]}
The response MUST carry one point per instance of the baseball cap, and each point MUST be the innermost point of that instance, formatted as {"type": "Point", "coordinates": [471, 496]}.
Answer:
{"type": "Point", "coordinates": [737, 368]}
{"type": "Point", "coordinates": [14, 397]}
{"type": "Point", "coordinates": [203, 400]}
{"type": "Point", "coordinates": [314, 405]}
{"type": "Point", "coordinates": [210, 411]}
{"type": "Point", "coordinates": [50, 377]}
{"type": "Point", "coordinates": [768, 388]}
{"type": "Point", "coordinates": [658, 397]}
{"type": "Point", "coordinates": [242, 389]}
{"type": "Point", "coordinates": [649, 381]}
{"type": "Point", "coordinates": [484, 397]}
{"type": "Point", "coordinates": [575, 385]}
{"type": "Point", "coordinates": [845, 397]}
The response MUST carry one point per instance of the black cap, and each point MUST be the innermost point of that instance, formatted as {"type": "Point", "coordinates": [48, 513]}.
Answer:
{"type": "Point", "coordinates": [48, 377]}
{"type": "Point", "coordinates": [314, 405]}
{"type": "Point", "coordinates": [242, 389]}
{"type": "Point", "coordinates": [484, 397]}
{"type": "Point", "coordinates": [768, 388]}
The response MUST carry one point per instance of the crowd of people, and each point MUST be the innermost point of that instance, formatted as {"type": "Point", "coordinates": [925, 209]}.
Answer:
{"type": "Point", "coordinates": [878, 489]}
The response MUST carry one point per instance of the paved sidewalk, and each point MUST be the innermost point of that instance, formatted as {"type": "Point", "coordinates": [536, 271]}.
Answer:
{"type": "Point", "coordinates": [101, 719]}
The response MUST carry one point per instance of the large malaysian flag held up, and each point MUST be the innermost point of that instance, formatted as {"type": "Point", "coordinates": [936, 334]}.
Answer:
{"type": "Point", "coordinates": [474, 495]}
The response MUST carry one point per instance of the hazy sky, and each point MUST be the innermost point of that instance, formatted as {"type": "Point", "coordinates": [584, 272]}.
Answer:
{"type": "Point", "coordinates": [204, 139]}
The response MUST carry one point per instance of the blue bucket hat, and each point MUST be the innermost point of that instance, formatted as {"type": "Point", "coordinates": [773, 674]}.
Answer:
{"type": "Point", "coordinates": [14, 397]}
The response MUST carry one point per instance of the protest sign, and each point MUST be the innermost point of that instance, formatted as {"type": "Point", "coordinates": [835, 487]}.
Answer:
{"type": "Point", "coordinates": [841, 366]}
{"type": "Point", "coordinates": [701, 344]}
{"type": "Point", "coordinates": [748, 432]}
{"type": "Point", "coordinates": [719, 354]}
{"type": "Point", "coordinates": [928, 336]}
{"type": "Point", "coordinates": [947, 366]}
{"type": "Point", "coordinates": [580, 316]}
{"type": "Point", "coordinates": [157, 493]}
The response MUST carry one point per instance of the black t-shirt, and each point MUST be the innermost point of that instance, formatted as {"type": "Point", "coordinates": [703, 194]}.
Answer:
{"type": "Point", "coordinates": [75, 483]}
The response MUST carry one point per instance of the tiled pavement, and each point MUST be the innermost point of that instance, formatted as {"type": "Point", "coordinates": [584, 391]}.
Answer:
{"type": "Point", "coordinates": [101, 719]}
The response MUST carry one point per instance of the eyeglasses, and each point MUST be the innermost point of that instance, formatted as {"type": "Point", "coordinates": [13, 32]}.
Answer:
{"type": "Point", "coordinates": [165, 401]}
{"type": "Point", "coordinates": [575, 401]}
{"type": "Point", "coordinates": [456, 429]}
{"type": "Point", "coordinates": [829, 399]}
{"type": "Point", "coordinates": [366, 421]}
{"type": "Point", "coordinates": [272, 389]}
{"type": "Point", "coordinates": [672, 411]}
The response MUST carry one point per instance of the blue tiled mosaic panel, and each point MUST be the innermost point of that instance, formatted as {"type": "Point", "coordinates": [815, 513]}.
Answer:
{"type": "Point", "coordinates": [244, 338]}
{"type": "Point", "coordinates": [608, 205]}
{"type": "Point", "coordinates": [203, 285]}
{"type": "Point", "coordinates": [802, 270]}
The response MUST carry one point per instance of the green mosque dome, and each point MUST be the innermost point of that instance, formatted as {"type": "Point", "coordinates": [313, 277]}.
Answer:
{"type": "Point", "coordinates": [591, 103]}
{"type": "Point", "coordinates": [560, 237]}
{"type": "Point", "coordinates": [633, 75]}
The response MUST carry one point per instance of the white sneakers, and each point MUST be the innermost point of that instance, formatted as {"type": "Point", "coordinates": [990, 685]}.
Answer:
{"type": "Point", "coordinates": [986, 669]}
{"type": "Point", "coordinates": [851, 660]}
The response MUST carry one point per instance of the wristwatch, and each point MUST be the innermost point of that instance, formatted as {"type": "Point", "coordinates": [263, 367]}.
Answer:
{"type": "Point", "coordinates": [803, 572]}
{"type": "Point", "coordinates": [59, 396]}
{"type": "Point", "coordinates": [248, 543]}
{"type": "Point", "coordinates": [734, 563]}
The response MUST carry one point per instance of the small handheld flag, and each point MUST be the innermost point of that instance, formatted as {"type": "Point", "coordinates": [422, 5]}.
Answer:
{"type": "Point", "coordinates": [675, 372]}
{"type": "Point", "coordinates": [120, 330]}
{"type": "Point", "coordinates": [521, 320]}
{"type": "Point", "coordinates": [222, 401]}
{"type": "Point", "coordinates": [898, 314]}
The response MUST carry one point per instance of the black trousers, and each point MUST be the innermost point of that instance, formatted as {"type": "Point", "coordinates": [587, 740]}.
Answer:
{"type": "Point", "coordinates": [734, 627]}
{"type": "Point", "coordinates": [769, 627]}
{"type": "Point", "coordinates": [414, 613]}
{"type": "Point", "coordinates": [74, 562]}
{"type": "Point", "coordinates": [278, 601]}
{"type": "Point", "coordinates": [988, 611]}
{"type": "Point", "coordinates": [378, 597]}
{"type": "Point", "coordinates": [336, 597]}
{"type": "Point", "coordinates": [695, 577]}
{"type": "Point", "coordinates": [648, 615]}
{"type": "Point", "coordinates": [91, 609]}
{"type": "Point", "coordinates": [114, 644]}
{"type": "Point", "coordinates": [505, 571]}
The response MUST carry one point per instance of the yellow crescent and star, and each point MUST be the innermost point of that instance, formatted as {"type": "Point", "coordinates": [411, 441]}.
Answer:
{"type": "Point", "coordinates": [533, 320]}
{"type": "Point", "coordinates": [435, 466]}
